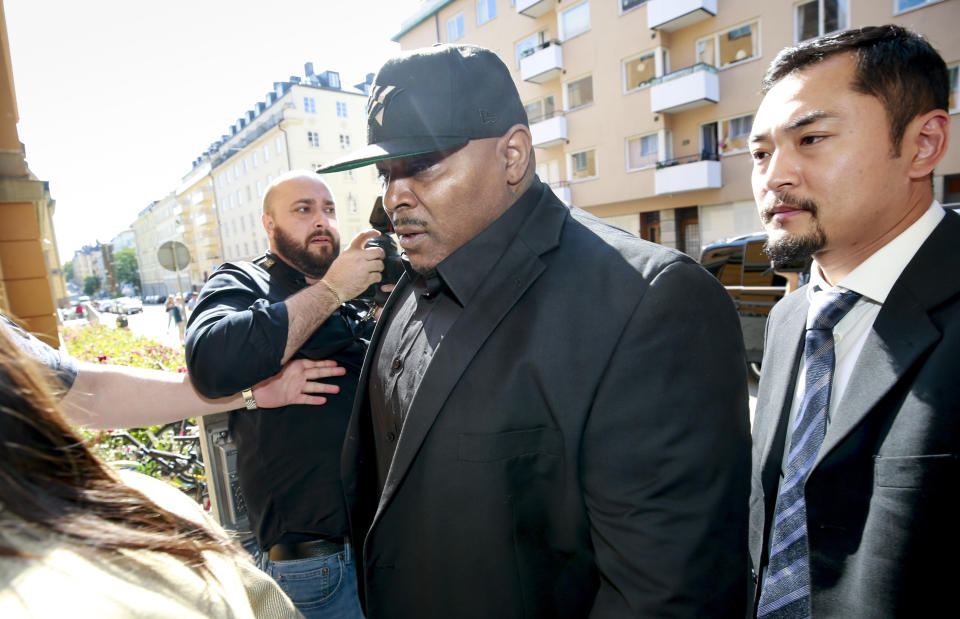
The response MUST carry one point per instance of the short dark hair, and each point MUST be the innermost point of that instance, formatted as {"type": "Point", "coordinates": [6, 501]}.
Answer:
{"type": "Point", "coordinates": [897, 66]}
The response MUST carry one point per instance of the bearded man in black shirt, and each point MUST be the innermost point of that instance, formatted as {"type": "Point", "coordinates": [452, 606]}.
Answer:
{"type": "Point", "coordinates": [250, 319]}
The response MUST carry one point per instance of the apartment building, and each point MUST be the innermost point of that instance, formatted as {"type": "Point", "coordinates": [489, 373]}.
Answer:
{"type": "Point", "coordinates": [164, 220]}
{"type": "Point", "coordinates": [302, 123]}
{"type": "Point", "coordinates": [640, 109]}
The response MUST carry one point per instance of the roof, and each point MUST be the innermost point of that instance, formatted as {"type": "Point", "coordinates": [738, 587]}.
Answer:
{"type": "Point", "coordinates": [425, 12]}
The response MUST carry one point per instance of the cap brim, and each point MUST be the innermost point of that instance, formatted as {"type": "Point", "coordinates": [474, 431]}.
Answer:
{"type": "Point", "coordinates": [391, 149]}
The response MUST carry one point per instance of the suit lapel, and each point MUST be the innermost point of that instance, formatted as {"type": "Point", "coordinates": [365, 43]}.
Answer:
{"type": "Point", "coordinates": [510, 278]}
{"type": "Point", "coordinates": [777, 383]}
{"type": "Point", "coordinates": [902, 332]}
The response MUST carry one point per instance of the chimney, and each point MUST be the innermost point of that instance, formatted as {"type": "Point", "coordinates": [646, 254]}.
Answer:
{"type": "Point", "coordinates": [308, 69]}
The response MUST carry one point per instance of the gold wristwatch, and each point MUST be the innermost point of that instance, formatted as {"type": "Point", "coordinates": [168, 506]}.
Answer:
{"type": "Point", "coordinates": [248, 399]}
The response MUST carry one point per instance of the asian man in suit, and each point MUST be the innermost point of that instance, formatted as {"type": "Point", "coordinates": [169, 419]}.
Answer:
{"type": "Point", "coordinates": [857, 429]}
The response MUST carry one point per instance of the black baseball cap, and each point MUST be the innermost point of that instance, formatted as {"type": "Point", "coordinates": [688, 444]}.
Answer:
{"type": "Point", "coordinates": [433, 99]}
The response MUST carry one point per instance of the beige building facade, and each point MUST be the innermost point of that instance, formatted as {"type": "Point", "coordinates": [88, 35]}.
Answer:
{"type": "Point", "coordinates": [640, 109]}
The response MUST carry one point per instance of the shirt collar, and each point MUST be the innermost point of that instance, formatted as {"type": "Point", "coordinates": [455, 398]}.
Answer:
{"type": "Point", "coordinates": [875, 276]}
{"type": "Point", "coordinates": [462, 272]}
{"type": "Point", "coordinates": [279, 269]}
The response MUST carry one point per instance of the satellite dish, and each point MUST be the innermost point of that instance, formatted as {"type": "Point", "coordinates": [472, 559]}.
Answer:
{"type": "Point", "coordinates": [173, 255]}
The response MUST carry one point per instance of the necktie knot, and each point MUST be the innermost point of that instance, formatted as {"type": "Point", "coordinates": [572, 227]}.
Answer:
{"type": "Point", "coordinates": [831, 309]}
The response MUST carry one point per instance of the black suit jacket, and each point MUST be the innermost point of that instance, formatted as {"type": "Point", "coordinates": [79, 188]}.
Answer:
{"type": "Point", "coordinates": [882, 495]}
{"type": "Point", "coordinates": [578, 445]}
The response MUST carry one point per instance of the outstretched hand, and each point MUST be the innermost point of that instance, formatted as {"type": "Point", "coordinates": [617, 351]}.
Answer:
{"type": "Point", "coordinates": [296, 384]}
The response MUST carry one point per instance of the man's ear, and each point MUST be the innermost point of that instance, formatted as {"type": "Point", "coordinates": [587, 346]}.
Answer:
{"type": "Point", "coordinates": [267, 222]}
{"type": "Point", "coordinates": [927, 138]}
{"type": "Point", "coordinates": [518, 144]}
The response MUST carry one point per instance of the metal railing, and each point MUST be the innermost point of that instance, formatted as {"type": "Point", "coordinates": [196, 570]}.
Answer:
{"type": "Point", "coordinates": [532, 50]}
{"type": "Point", "coordinates": [700, 66]}
{"type": "Point", "coordinates": [704, 156]}
{"type": "Point", "coordinates": [545, 116]}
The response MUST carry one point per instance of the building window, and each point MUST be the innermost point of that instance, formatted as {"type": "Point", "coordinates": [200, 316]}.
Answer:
{"type": "Point", "coordinates": [903, 5]}
{"type": "Point", "coordinates": [344, 142]}
{"type": "Point", "coordinates": [246, 167]}
{"type": "Point", "coordinates": [639, 71]}
{"type": "Point", "coordinates": [954, 72]}
{"type": "Point", "coordinates": [239, 197]}
{"type": "Point", "coordinates": [349, 176]}
{"type": "Point", "coordinates": [819, 17]}
{"type": "Point", "coordinates": [626, 5]}
{"type": "Point", "coordinates": [313, 139]}
{"type": "Point", "coordinates": [309, 105]}
{"type": "Point", "coordinates": [734, 133]}
{"type": "Point", "coordinates": [541, 109]}
{"type": "Point", "coordinates": [527, 46]}
{"type": "Point", "coordinates": [259, 189]}
{"type": "Point", "coordinates": [575, 21]}
{"type": "Point", "coordinates": [243, 225]}
{"type": "Point", "coordinates": [580, 92]}
{"type": "Point", "coordinates": [341, 109]}
{"type": "Point", "coordinates": [486, 10]}
{"type": "Point", "coordinates": [730, 46]}
{"type": "Point", "coordinates": [256, 158]}
{"type": "Point", "coordinates": [455, 28]}
{"type": "Point", "coordinates": [266, 153]}
{"type": "Point", "coordinates": [278, 144]}
{"type": "Point", "coordinates": [352, 204]}
{"type": "Point", "coordinates": [642, 151]}
{"type": "Point", "coordinates": [583, 164]}
{"type": "Point", "coordinates": [230, 199]}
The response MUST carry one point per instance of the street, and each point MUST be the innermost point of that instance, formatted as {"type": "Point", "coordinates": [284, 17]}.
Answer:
{"type": "Point", "coordinates": [152, 322]}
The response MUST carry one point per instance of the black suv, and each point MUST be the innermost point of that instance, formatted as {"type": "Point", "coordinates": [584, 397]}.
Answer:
{"type": "Point", "coordinates": [744, 270]}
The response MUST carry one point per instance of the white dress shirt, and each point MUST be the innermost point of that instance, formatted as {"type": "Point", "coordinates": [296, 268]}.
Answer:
{"type": "Point", "coordinates": [873, 279]}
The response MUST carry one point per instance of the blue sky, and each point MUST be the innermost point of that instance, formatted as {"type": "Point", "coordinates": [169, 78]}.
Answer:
{"type": "Point", "coordinates": [118, 97]}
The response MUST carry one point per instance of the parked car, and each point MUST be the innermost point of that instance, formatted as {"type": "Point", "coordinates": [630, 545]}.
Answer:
{"type": "Point", "coordinates": [129, 305]}
{"type": "Point", "coordinates": [745, 271]}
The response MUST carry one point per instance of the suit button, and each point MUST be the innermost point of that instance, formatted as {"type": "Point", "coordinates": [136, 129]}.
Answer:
{"type": "Point", "coordinates": [397, 364]}
{"type": "Point", "coordinates": [753, 574]}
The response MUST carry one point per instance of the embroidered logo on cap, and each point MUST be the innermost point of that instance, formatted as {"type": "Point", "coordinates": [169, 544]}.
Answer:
{"type": "Point", "coordinates": [487, 118]}
{"type": "Point", "coordinates": [379, 99]}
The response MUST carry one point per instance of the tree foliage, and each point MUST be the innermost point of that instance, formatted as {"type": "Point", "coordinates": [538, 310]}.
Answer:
{"type": "Point", "coordinates": [91, 284]}
{"type": "Point", "coordinates": [126, 268]}
{"type": "Point", "coordinates": [68, 270]}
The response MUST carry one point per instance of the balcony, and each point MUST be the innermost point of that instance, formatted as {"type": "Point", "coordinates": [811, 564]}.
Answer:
{"type": "Point", "coordinates": [670, 15]}
{"type": "Point", "coordinates": [562, 191]}
{"type": "Point", "coordinates": [542, 64]}
{"type": "Point", "coordinates": [691, 173]}
{"type": "Point", "coordinates": [549, 130]}
{"type": "Point", "coordinates": [535, 8]}
{"type": "Point", "coordinates": [685, 89]}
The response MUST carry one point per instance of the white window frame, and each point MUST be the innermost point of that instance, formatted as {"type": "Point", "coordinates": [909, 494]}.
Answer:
{"type": "Point", "coordinates": [641, 137]}
{"type": "Point", "coordinates": [255, 159]}
{"type": "Point", "coordinates": [898, 11]}
{"type": "Point", "coordinates": [344, 141]}
{"type": "Point", "coordinates": [489, 7]}
{"type": "Point", "coordinates": [341, 109]}
{"type": "Point", "coordinates": [278, 144]}
{"type": "Point", "coordinates": [758, 51]}
{"type": "Point", "coordinates": [566, 93]}
{"type": "Point", "coordinates": [623, 70]}
{"type": "Point", "coordinates": [564, 35]}
{"type": "Point", "coordinates": [624, 11]}
{"type": "Point", "coordinates": [953, 74]}
{"type": "Point", "coordinates": [570, 167]}
{"type": "Point", "coordinates": [721, 137]}
{"type": "Point", "coordinates": [456, 20]}
{"type": "Point", "coordinates": [820, 16]}
{"type": "Point", "coordinates": [309, 105]}
{"type": "Point", "coordinates": [516, 46]}
{"type": "Point", "coordinates": [313, 139]}
{"type": "Point", "coordinates": [266, 153]}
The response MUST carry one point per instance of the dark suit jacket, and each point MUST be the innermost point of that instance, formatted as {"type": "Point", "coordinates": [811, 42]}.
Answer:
{"type": "Point", "coordinates": [882, 495]}
{"type": "Point", "coordinates": [578, 445]}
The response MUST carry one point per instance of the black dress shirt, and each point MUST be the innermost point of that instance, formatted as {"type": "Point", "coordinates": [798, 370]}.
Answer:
{"type": "Point", "coordinates": [288, 458]}
{"type": "Point", "coordinates": [63, 366]}
{"type": "Point", "coordinates": [417, 326]}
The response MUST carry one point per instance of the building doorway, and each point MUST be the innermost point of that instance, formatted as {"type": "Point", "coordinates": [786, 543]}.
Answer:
{"type": "Point", "coordinates": [650, 226]}
{"type": "Point", "coordinates": [688, 231]}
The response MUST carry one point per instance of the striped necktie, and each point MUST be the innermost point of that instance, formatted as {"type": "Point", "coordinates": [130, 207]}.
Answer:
{"type": "Point", "coordinates": [786, 588]}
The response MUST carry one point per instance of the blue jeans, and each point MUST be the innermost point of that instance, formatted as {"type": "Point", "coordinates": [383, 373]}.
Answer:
{"type": "Point", "coordinates": [322, 587]}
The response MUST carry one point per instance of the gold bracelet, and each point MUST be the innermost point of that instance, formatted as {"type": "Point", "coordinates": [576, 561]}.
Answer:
{"type": "Point", "coordinates": [333, 291]}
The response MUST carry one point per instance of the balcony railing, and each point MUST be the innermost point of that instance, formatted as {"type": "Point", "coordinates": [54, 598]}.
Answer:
{"type": "Point", "coordinates": [672, 15]}
{"type": "Point", "coordinates": [548, 129]}
{"type": "Point", "coordinates": [688, 173]}
{"type": "Point", "coordinates": [535, 8]}
{"type": "Point", "coordinates": [562, 190]}
{"type": "Point", "coordinates": [542, 63]}
{"type": "Point", "coordinates": [685, 89]}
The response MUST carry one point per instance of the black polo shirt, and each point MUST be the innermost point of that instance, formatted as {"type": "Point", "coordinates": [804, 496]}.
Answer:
{"type": "Point", "coordinates": [288, 458]}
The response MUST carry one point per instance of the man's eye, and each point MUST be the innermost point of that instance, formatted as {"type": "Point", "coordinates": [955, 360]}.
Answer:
{"type": "Point", "coordinates": [759, 155]}
{"type": "Point", "coordinates": [811, 139]}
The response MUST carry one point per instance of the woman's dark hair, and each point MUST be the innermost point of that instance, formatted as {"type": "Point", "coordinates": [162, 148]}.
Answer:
{"type": "Point", "coordinates": [895, 65]}
{"type": "Point", "coordinates": [51, 480]}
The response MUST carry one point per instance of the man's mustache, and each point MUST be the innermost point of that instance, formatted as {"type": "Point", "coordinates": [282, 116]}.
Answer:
{"type": "Point", "coordinates": [790, 201]}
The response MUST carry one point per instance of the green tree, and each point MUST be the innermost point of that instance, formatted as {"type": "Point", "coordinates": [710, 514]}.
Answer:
{"type": "Point", "coordinates": [68, 270]}
{"type": "Point", "coordinates": [91, 284]}
{"type": "Point", "coordinates": [126, 268]}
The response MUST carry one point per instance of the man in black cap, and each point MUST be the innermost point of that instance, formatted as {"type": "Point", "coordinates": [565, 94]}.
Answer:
{"type": "Point", "coordinates": [552, 417]}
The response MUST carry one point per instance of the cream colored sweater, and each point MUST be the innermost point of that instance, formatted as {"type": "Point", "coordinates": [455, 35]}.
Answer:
{"type": "Point", "coordinates": [66, 580]}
